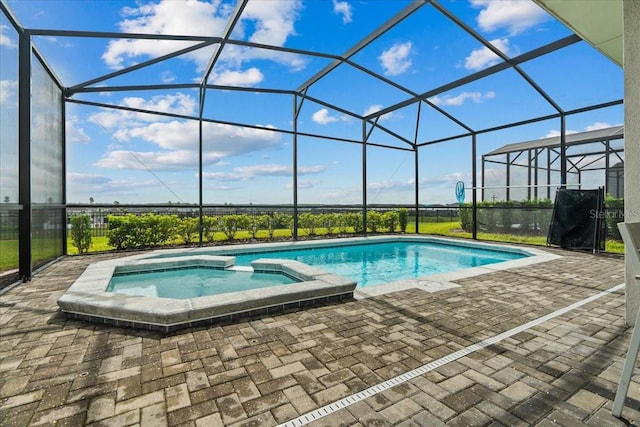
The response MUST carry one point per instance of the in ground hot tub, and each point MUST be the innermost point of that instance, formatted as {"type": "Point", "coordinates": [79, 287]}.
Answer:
{"type": "Point", "coordinates": [269, 285]}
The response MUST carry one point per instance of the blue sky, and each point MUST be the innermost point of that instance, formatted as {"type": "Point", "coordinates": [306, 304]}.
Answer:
{"type": "Point", "coordinates": [138, 158]}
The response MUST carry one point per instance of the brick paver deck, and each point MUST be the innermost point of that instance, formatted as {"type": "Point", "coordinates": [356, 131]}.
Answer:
{"type": "Point", "coordinates": [272, 369]}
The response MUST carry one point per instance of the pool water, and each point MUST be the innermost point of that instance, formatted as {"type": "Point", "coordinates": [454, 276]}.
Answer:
{"type": "Point", "coordinates": [377, 263]}
{"type": "Point", "coordinates": [193, 282]}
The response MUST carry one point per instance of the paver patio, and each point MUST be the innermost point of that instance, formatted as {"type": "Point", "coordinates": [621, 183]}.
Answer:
{"type": "Point", "coordinates": [273, 369]}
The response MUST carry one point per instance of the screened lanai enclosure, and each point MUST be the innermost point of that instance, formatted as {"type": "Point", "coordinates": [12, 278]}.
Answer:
{"type": "Point", "coordinates": [286, 106]}
{"type": "Point", "coordinates": [528, 170]}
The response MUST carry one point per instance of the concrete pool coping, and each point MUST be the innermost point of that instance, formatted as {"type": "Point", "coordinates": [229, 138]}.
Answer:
{"type": "Point", "coordinates": [88, 299]}
{"type": "Point", "coordinates": [431, 283]}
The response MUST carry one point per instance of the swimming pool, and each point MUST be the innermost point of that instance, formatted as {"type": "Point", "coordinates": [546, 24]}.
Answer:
{"type": "Point", "coordinates": [327, 271]}
{"type": "Point", "coordinates": [371, 264]}
{"type": "Point", "coordinates": [378, 274]}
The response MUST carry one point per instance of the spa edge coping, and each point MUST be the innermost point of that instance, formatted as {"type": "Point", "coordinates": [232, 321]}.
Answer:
{"type": "Point", "coordinates": [88, 299]}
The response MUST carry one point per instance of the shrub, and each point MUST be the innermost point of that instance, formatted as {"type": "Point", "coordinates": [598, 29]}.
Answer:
{"type": "Point", "coordinates": [330, 221]}
{"type": "Point", "coordinates": [81, 232]}
{"type": "Point", "coordinates": [374, 221]}
{"type": "Point", "coordinates": [308, 222]}
{"type": "Point", "coordinates": [486, 216]}
{"type": "Point", "coordinates": [159, 228]}
{"type": "Point", "coordinates": [389, 220]}
{"type": "Point", "coordinates": [342, 222]}
{"type": "Point", "coordinates": [210, 226]}
{"type": "Point", "coordinates": [614, 213]}
{"type": "Point", "coordinates": [354, 220]}
{"type": "Point", "coordinates": [255, 223]}
{"type": "Point", "coordinates": [188, 229]}
{"type": "Point", "coordinates": [403, 219]}
{"type": "Point", "coordinates": [283, 221]}
{"type": "Point", "coordinates": [230, 224]}
{"type": "Point", "coordinates": [543, 215]}
{"type": "Point", "coordinates": [466, 217]}
{"type": "Point", "coordinates": [506, 214]}
{"type": "Point", "coordinates": [526, 214]}
{"type": "Point", "coordinates": [126, 231]}
{"type": "Point", "coordinates": [270, 222]}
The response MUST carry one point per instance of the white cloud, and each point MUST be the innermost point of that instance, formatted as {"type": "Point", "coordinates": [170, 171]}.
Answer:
{"type": "Point", "coordinates": [593, 126]}
{"type": "Point", "coordinates": [440, 181]}
{"type": "Point", "coordinates": [74, 132]}
{"type": "Point", "coordinates": [598, 125]}
{"type": "Point", "coordinates": [304, 183]}
{"type": "Point", "coordinates": [166, 17]}
{"type": "Point", "coordinates": [514, 16]}
{"type": "Point", "coordinates": [310, 170]}
{"type": "Point", "coordinates": [5, 39]}
{"type": "Point", "coordinates": [273, 21]}
{"type": "Point", "coordinates": [245, 173]}
{"type": "Point", "coordinates": [558, 133]}
{"type": "Point", "coordinates": [263, 22]}
{"type": "Point", "coordinates": [446, 181]}
{"type": "Point", "coordinates": [8, 90]}
{"type": "Point", "coordinates": [475, 97]}
{"type": "Point", "coordinates": [100, 186]}
{"type": "Point", "coordinates": [249, 77]}
{"type": "Point", "coordinates": [249, 172]}
{"type": "Point", "coordinates": [57, 41]}
{"type": "Point", "coordinates": [177, 143]}
{"type": "Point", "coordinates": [167, 77]}
{"type": "Point", "coordinates": [396, 60]}
{"type": "Point", "coordinates": [323, 117]}
{"type": "Point", "coordinates": [484, 57]}
{"type": "Point", "coordinates": [344, 9]}
{"type": "Point", "coordinates": [391, 185]}
{"type": "Point", "coordinates": [374, 109]}
{"type": "Point", "coordinates": [87, 179]}
{"type": "Point", "coordinates": [222, 176]}
{"type": "Point", "coordinates": [175, 104]}
{"type": "Point", "coordinates": [154, 160]}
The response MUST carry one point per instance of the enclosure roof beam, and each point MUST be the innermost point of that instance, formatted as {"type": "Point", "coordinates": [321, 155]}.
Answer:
{"type": "Point", "coordinates": [74, 89]}
{"type": "Point", "coordinates": [252, 89]}
{"type": "Point", "coordinates": [231, 24]}
{"type": "Point", "coordinates": [529, 121]}
{"type": "Point", "coordinates": [415, 5]}
{"type": "Point", "coordinates": [11, 17]}
{"type": "Point", "coordinates": [47, 68]}
{"type": "Point", "coordinates": [283, 49]}
{"type": "Point", "coordinates": [551, 47]}
{"type": "Point", "coordinates": [500, 54]}
{"type": "Point", "coordinates": [223, 122]}
{"type": "Point", "coordinates": [137, 88]}
{"type": "Point", "coordinates": [117, 35]}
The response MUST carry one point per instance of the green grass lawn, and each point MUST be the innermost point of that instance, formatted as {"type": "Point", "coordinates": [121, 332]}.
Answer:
{"type": "Point", "coordinates": [452, 229]}
{"type": "Point", "coordinates": [8, 254]}
{"type": "Point", "coordinates": [43, 250]}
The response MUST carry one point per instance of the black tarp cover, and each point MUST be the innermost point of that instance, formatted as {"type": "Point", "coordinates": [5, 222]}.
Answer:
{"type": "Point", "coordinates": [578, 220]}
